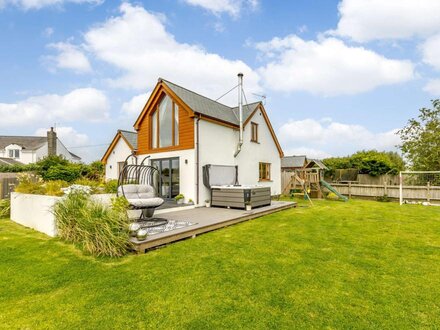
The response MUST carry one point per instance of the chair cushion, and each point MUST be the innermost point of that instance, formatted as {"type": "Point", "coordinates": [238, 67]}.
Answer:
{"type": "Point", "coordinates": [145, 202]}
{"type": "Point", "coordinates": [136, 191]}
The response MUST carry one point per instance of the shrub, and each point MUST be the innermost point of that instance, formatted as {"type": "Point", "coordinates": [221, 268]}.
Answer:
{"type": "Point", "coordinates": [33, 184]}
{"type": "Point", "coordinates": [50, 161]}
{"type": "Point", "coordinates": [93, 171]}
{"type": "Point", "coordinates": [69, 173]}
{"type": "Point", "coordinates": [19, 168]}
{"type": "Point", "coordinates": [98, 229]}
{"type": "Point", "coordinates": [29, 183]}
{"type": "Point", "coordinates": [383, 198]}
{"type": "Point", "coordinates": [5, 208]}
{"type": "Point", "coordinates": [54, 188]}
{"type": "Point", "coordinates": [111, 187]}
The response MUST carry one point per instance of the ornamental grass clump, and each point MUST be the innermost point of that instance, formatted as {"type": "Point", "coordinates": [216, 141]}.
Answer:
{"type": "Point", "coordinates": [98, 229]}
{"type": "Point", "coordinates": [5, 208]}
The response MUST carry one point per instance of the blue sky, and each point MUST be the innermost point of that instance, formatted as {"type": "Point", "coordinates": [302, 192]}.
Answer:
{"type": "Point", "coordinates": [339, 76]}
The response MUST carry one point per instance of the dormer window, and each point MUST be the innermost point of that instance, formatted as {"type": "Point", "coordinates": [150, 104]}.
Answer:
{"type": "Point", "coordinates": [165, 124]}
{"type": "Point", "coordinates": [14, 153]}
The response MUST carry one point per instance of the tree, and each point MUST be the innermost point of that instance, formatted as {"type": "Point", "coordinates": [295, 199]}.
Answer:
{"type": "Point", "coordinates": [370, 162]}
{"type": "Point", "coordinates": [421, 139]}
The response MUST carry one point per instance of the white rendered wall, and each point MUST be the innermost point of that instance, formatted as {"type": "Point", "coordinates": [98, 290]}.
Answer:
{"type": "Point", "coordinates": [119, 154]}
{"type": "Point", "coordinates": [62, 151]}
{"type": "Point", "coordinates": [218, 144]}
{"type": "Point", "coordinates": [187, 168]}
{"type": "Point", "coordinates": [252, 154]}
{"type": "Point", "coordinates": [34, 211]}
{"type": "Point", "coordinates": [41, 152]}
{"type": "Point", "coordinates": [26, 156]}
{"type": "Point", "coordinates": [33, 156]}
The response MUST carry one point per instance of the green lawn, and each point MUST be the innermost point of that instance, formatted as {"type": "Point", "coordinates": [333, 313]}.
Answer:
{"type": "Point", "coordinates": [337, 265]}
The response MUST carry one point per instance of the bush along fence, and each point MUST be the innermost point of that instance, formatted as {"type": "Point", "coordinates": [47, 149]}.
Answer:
{"type": "Point", "coordinates": [427, 193]}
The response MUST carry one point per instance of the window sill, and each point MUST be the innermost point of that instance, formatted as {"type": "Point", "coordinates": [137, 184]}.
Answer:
{"type": "Point", "coordinates": [265, 180]}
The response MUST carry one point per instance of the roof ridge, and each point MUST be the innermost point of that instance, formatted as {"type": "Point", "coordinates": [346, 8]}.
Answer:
{"type": "Point", "coordinates": [247, 104]}
{"type": "Point", "coordinates": [124, 130]}
{"type": "Point", "coordinates": [208, 98]}
{"type": "Point", "coordinates": [23, 136]}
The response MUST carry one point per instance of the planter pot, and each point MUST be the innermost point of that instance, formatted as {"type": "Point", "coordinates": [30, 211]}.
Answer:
{"type": "Point", "coordinates": [248, 207]}
{"type": "Point", "coordinates": [208, 204]}
{"type": "Point", "coordinates": [180, 201]}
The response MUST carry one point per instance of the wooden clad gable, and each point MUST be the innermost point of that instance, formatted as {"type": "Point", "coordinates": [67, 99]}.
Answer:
{"type": "Point", "coordinates": [143, 124]}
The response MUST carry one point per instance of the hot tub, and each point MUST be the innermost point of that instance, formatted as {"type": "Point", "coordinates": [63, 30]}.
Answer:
{"type": "Point", "coordinates": [222, 180]}
{"type": "Point", "coordinates": [238, 196]}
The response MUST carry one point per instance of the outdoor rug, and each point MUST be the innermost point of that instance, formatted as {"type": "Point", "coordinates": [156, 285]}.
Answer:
{"type": "Point", "coordinates": [171, 225]}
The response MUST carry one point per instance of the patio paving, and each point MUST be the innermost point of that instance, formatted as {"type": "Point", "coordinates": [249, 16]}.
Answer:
{"type": "Point", "coordinates": [187, 223]}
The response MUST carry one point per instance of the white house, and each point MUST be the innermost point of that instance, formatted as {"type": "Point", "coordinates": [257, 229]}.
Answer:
{"type": "Point", "coordinates": [123, 144]}
{"type": "Point", "coordinates": [182, 131]}
{"type": "Point", "coordinates": [30, 149]}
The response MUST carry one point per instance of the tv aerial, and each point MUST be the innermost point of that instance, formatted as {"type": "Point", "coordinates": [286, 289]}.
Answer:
{"type": "Point", "coordinates": [263, 97]}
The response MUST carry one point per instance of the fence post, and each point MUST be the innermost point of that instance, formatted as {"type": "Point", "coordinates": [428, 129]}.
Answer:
{"type": "Point", "coordinates": [400, 188]}
{"type": "Point", "coordinates": [385, 188]}
{"type": "Point", "coordinates": [428, 191]}
{"type": "Point", "coordinates": [349, 189]}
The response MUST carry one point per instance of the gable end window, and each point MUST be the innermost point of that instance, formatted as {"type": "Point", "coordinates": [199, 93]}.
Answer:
{"type": "Point", "coordinates": [165, 124]}
{"type": "Point", "coordinates": [254, 132]}
{"type": "Point", "coordinates": [14, 153]}
{"type": "Point", "coordinates": [264, 172]}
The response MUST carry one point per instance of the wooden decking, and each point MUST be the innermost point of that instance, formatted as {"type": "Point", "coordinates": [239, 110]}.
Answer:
{"type": "Point", "coordinates": [207, 219]}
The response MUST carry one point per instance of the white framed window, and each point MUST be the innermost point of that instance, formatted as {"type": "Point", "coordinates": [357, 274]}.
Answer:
{"type": "Point", "coordinates": [264, 172]}
{"type": "Point", "coordinates": [165, 124]}
{"type": "Point", "coordinates": [14, 153]}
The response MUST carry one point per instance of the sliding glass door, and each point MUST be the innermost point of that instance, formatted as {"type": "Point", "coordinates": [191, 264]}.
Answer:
{"type": "Point", "coordinates": [169, 182]}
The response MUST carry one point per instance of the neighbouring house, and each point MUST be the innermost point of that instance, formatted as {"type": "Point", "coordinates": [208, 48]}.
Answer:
{"type": "Point", "coordinates": [123, 144]}
{"type": "Point", "coordinates": [30, 149]}
{"type": "Point", "coordinates": [181, 131]}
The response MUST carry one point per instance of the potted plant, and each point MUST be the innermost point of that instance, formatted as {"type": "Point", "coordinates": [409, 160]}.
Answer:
{"type": "Point", "coordinates": [248, 206]}
{"type": "Point", "coordinates": [179, 199]}
{"type": "Point", "coordinates": [190, 202]}
{"type": "Point", "coordinates": [207, 203]}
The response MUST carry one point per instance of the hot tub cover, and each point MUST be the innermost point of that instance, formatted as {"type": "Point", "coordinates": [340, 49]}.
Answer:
{"type": "Point", "coordinates": [220, 175]}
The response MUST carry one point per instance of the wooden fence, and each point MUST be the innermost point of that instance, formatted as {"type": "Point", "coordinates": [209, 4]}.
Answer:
{"type": "Point", "coordinates": [426, 193]}
{"type": "Point", "coordinates": [7, 186]}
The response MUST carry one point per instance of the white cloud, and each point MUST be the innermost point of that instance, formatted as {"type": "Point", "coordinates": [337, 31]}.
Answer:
{"type": "Point", "coordinates": [431, 51]}
{"type": "Point", "coordinates": [134, 106]}
{"type": "Point", "coordinates": [433, 87]}
{"type": "Point", "coordinates": [69, 57]}
{"type": "Point", "coordinates": [309, 152]}
{"type": "Point", "coordinates": [231, 7]}
{"type": "Point", "coordinates": [137, 43]}
{"type": "Point", "coordinates": [47, 32]}
{"type": "Point", "coordinates": [366, 20]}
{"type": "Point", "coordinates": [69, 136]}
{"type": "Point", "coordinates": [86, 104]}
{"type": "Point", "coordinates": [327, 67]}
{"type": "Point", "coordinates": [322, 138]}
{"type": "Point", "coordinates": [38, 4]}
